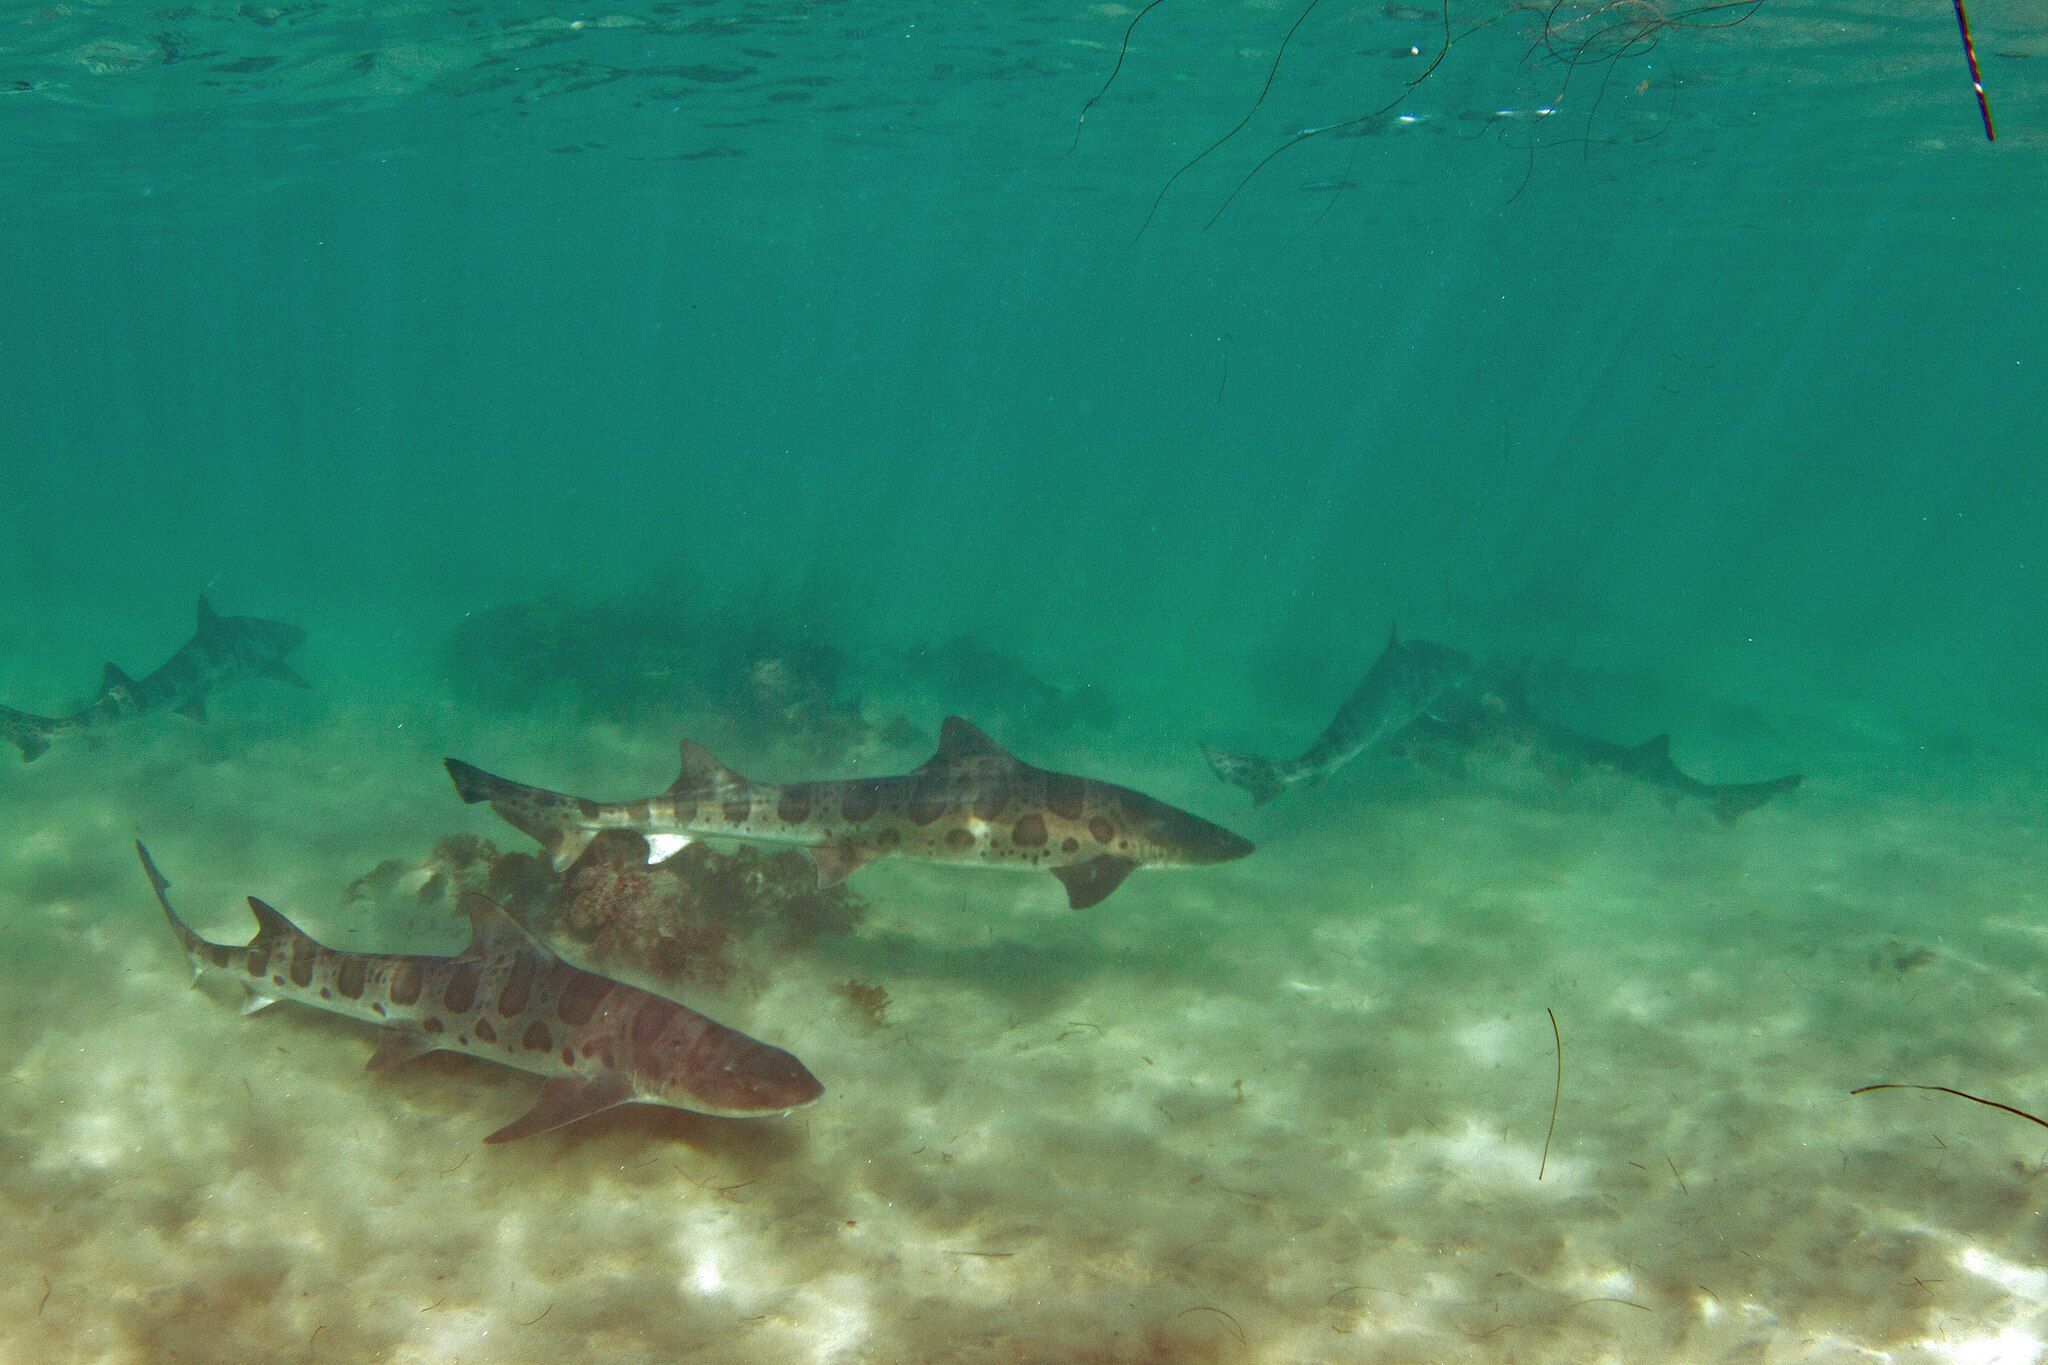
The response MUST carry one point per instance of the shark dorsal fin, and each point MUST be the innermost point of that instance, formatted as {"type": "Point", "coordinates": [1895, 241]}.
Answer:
{"type": "Point", "coordinates": [702, 771]}
{"type": "Point", "coordinates": [271, 923]}
{"type": "Point", "coordinates": [1657, 747]}
{"type": "Point", "coordinates": [112, 679]}
{"type": "Point", "coordinates": [209, 619]}
{"type": "Point", "coordinates": [494, 933]}
{"type": "Point", "coordinates": [1393, 635]}
{"type": "Point", "coordinates": [961, 741]}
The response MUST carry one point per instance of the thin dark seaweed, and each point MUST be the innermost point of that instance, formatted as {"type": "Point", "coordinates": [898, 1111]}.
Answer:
{"type": "Point", "coordinates": [1272, 72]}
{"type": "Point", "coordinates": [1976, 78]}
{"type": "Point", "coordinates": [1959, 1094]}
{"type": "Point", "coordinates": [1556, 1093]}
{"type": "Point", "coordinates": [1121, 53]}
{"type": "Point", "coordinates": [1205, 1308]}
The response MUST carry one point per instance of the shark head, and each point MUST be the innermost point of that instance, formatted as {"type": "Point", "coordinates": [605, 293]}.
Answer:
{"type": "Point", "coordinates": [255, 641]}
{"type": "Point", "coordinates": [740, 1077]}
{"type": "Point", "coordinates": [1171, 837]}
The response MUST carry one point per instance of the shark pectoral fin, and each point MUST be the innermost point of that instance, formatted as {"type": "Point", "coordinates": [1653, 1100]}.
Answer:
{"type": "Point", "coordinates": [662, 847]}
{"type": "Point", "coordinates": [277, 670]}
{"type": "Point", "coordinates": [836, 862]}
{"type": "Point", "coordinates": [194, 710]}
{"type": "Point", "coordinates": [257, 999]}
{"type": "Point", "coordinates": [1091, 882]}
{"type": "Point", "coordinates": [397, 1048]}
{"type": "Point", "coordinates": [563, 1101]}
{"type": "Point", "coordinates": [566, 845]}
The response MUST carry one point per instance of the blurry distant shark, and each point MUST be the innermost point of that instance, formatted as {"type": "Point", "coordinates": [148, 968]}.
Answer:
{"type": "Point", "coordinates": [1403, 684]}
{"type": "Point", "coordinates": [506, 998]}
{"type": "Point", "coordinates": [1557, 747]}
{"type": "Point", "coordinates": [224, 649]}
{"type": "Point", "coordinates": [971, 803]}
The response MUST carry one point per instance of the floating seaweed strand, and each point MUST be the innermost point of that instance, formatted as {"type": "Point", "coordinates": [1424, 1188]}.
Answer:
{"type": "Point", "coordinates": [1959, 1094]}
{"type": "Point", "coordinates": [1121, 52]}
{"type": "Point", "coordinates": [1976, 78]}
{"type": "Point", "coordinates": [1272, 72]}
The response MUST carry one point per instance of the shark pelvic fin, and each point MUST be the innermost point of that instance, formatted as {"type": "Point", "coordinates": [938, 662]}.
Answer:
{"type": "Point", "coordinates": [113, 679]}
{"type": "Point", "coordinates": [662, 847]}
{"type": "Point", "coordinates": [193, 709]}
{"type": "Point", "coordinates": [564, 844]}
{"type": "Point", "coordinates": [1091, 882]}
{"type": "Point", "coordinates": [701, 771]}
{"type": "Point", "coordinates": [398, 1047]}
{"type": "Point", "coordinates": [494, 933]}
{"type": "Point", "coordinates": [836, 862]}
{"type": "Point", "coordinates": [961, 740]}
{"type": "Point", "coordinates": [257, 1000]}
{"type": "Point", "coordinates": [271, 924]}
{"type": "Point", "coordinates": [562, 1101]}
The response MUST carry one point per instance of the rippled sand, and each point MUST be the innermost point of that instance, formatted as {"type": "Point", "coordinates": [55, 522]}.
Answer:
{"type": "Point", "coordinates": [1290, 1109]}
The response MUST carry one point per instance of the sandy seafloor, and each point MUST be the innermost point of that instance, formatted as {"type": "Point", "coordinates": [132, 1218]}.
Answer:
{"type": "Point", "coordinates": [1291, 1109]}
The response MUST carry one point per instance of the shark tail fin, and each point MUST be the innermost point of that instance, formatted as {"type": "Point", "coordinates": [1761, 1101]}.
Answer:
{"type": "Point", "coordinates": [1733, 800]}
{"type": "Point", "coordinates": [161, 886]}
{"type": "Point", "coordinates": [1264, 778]}
{"type": "Point", "coordinates": [534, 811]}
{"type": "Point", "coordinates": [28, 733]}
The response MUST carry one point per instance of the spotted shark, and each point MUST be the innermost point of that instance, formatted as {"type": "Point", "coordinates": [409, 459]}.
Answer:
{"type": "Point", "coordinates": [509, 999]}
{"type": "Point", "coordinates": [223, 650]}
{"type": "Point", "coordinates": [972, 802]}
{"type": "Point", "coordinates": [1408, 679]}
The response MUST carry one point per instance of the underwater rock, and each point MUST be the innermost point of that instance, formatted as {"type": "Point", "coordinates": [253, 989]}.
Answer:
{"type": "Point", "coordinates": [762, 666]}
{"type": "Point", "coordinates": [871, 1003]}
{"type": "Point", "coordinates": [678, 922]}
{"type": "Point", "coordinates": [1002, 690]}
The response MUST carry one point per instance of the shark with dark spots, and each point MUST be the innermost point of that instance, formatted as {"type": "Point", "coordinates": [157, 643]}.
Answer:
{"type": "Point", "coordinates": [507, 998]}
{"type": "Point", "coordinates": [972, 803]}
{"type": "Point", "coordinates": [224, 650]}
{"type": "Point", "coordinates": [1403, 684]}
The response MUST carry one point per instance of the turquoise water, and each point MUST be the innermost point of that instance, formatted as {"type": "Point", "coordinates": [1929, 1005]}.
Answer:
{"type": "Point", "coordinates": [789, 377]}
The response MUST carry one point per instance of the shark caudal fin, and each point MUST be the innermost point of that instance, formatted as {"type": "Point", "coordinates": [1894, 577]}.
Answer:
{"type": "Point", "coordinates": [1733, 800]}
{"type": "Point", "coordinates": [30, 734]}
{"type": "Point", "coordinates": [1263, 777]}
{"type": "Point", "coordinates": [545, 816]}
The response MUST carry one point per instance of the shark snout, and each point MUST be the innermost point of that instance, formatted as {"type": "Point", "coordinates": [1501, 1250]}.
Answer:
{"type": "Point", "coordinates": [1202, 843]}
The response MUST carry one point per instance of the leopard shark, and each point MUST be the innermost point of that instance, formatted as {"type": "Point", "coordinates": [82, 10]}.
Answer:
{"type": "Point", "coordinates": [1404, 683]}
{"type": "Point", "coordinates": [972, 803]}
{"type": "Point", "coordinates": [1564, 750]}
{"type": "Point", "coordinates": [508, 998]}
{"type": "Point", "coordinates": [223, 650]}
